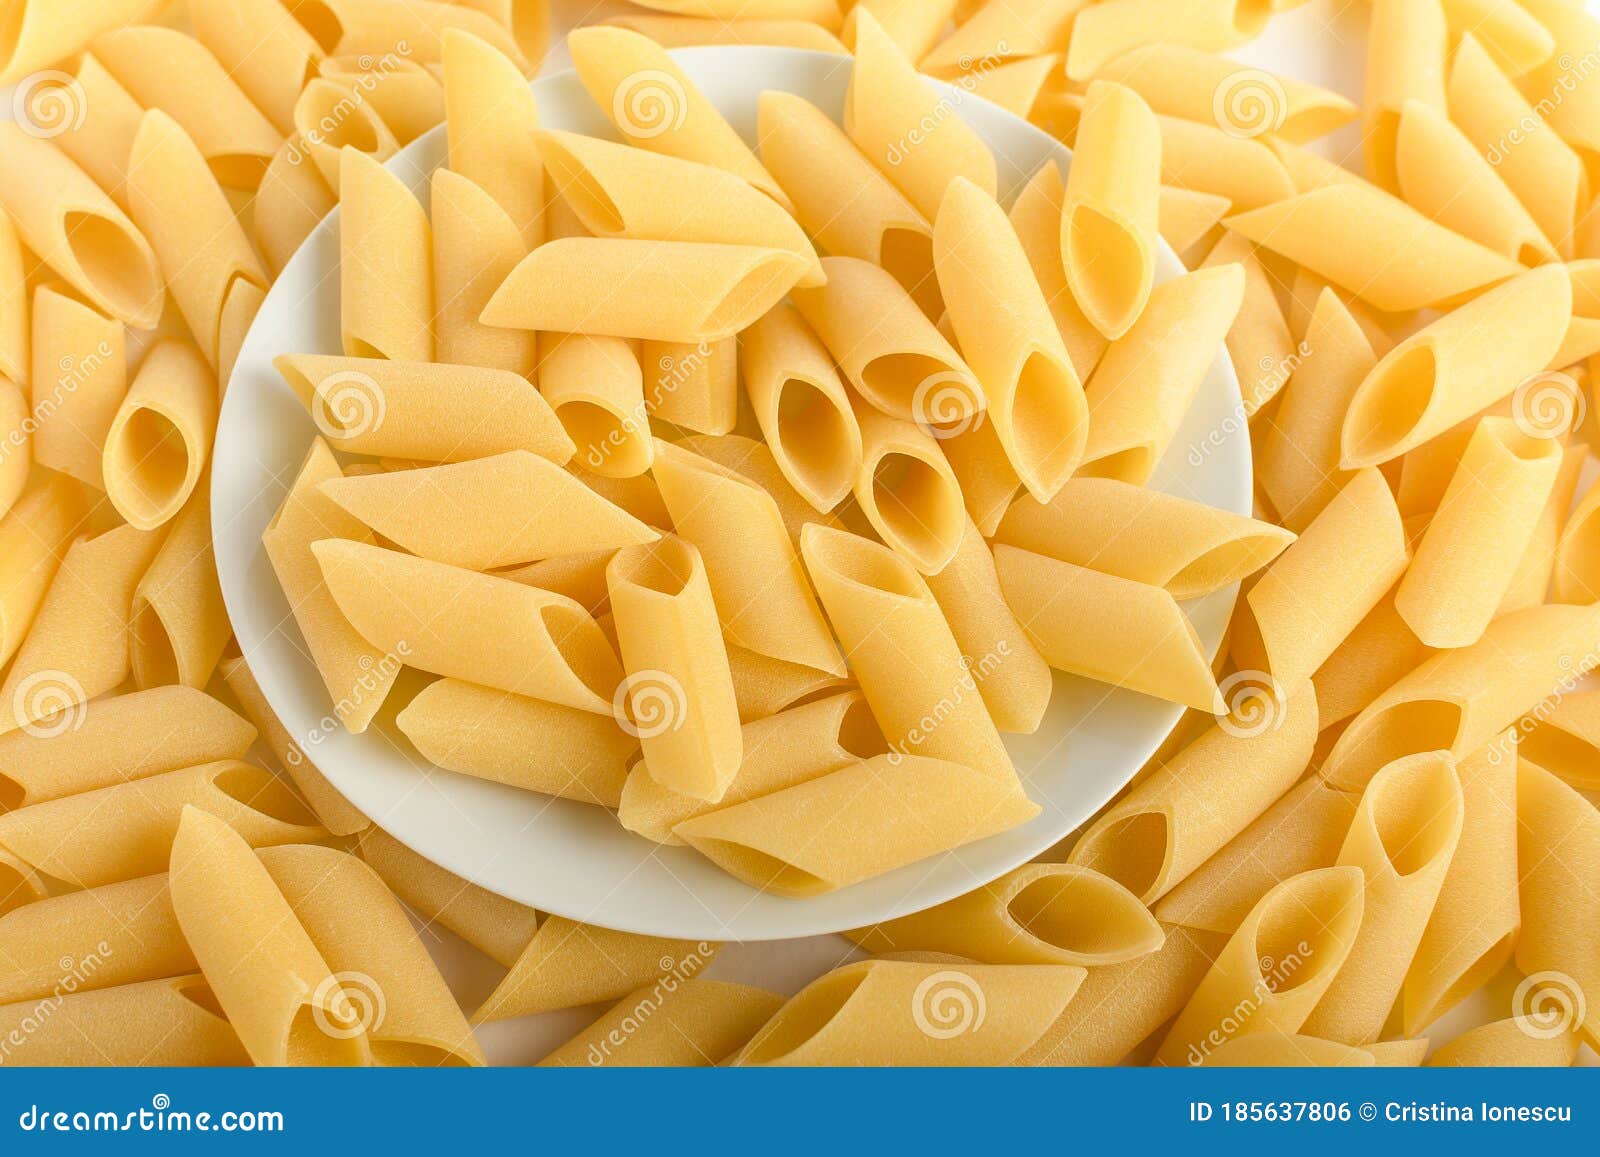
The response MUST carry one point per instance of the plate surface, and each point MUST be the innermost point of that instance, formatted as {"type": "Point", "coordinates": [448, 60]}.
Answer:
{"type": "Point", "coordinates": [577, 861]}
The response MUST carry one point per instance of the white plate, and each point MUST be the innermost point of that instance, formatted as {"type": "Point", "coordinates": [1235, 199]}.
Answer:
{"type": "Point", "coordinates": [577, 861]}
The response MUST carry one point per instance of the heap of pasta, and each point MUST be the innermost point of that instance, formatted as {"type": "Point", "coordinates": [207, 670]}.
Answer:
{"type": "Point", "coordinates": [756, 491]}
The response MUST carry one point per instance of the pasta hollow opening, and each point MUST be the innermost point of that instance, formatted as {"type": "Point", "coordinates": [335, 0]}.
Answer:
{"type": "Point", "coordinates": [811, 430]}
{"type": "Point", "coordinates": [151, 460]}
{"type": "Point", "coordinates": [1062, 912]}
{"type": "Point", "coordinates": [263, 793]}
{"type": "Point", "coordinates": [860, 561]}
{"type": "Point", "coordinates": [767, 281]}
{"type": "Point", "coordinates": [113, 261]}
{"type": "Point", "coordinates": [907, 256]}
{"type": "Point", "coordinates": [245, 170]}
{"type": "Point", "coordinates": [762, 870]}
{"type": "Point", "coordinates": [1421, 725]}
{"type": "Point", "coordinates": [592, 426]}
{"type": "Point", "coordinates": [11, 796]}
{"type": "Point", "coordinates": [859, 733]}
{"type": "Point", "coordinates": [805, 1018]}
{"type": "Point", "coordinates": [899, 379]}
{"type": "Point", "coordinates": [910, 496]}
{"type": "Point", "coordinates": [665, 567]}
{"type": "Point", "coordinates": [1047, 427]}
{"type": "Point", "coordinates": [1281, 955]}
{"type": "Point", "coordinates": [582, 192]}
{"type": "Point", "coordinates": [198, 993]}
{"type": "Point", "coordinates": [1114, 268]}
{"type": "Point", "coordinates": [338, 123]}
{"type": "Point", "coordinates": [318, 20]}
{"type": "Point", "coordinates": [1133, 851]}
{"type": "Point", "coordinates": [1391, 402]}
{"type": "Point", "coordinates": [583, 645]}
{"type": "Point", "coordinates": [155, 660]}
{"type": "Point", "coordinates": [310, 1044]}
{"type": "Point", "coordinates": [1553, 749]}
{"type": "Point", "coordinates": [1413, 826]}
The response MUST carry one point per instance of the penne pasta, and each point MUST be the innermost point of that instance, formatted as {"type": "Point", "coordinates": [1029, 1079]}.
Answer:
{"type": "Point", "coordinates": [178, 623]}
{"type": "Point", "coordinates": [1408, 44]}
{"type": "Point", "coordinates": [490, 120]}
{"type": "Point", "coordinates": [385, 265]}
{"type": "Point", "coordinates": [596, 388]}
{"type": "Point", "coordinates": [1107, 30]}
{"type": "Point", "coordinates": [693, 385]}
{"type": "Point", "coordinates": [475, 247]}
{"type": "Point", "coordinates": [414, 30]}
{"type": "Point", "coordinates": [1206, 158]}
{"type": "Point", "coordinates": [1263, 349]}
{"type": "Point", "coordinates": [331, 116]}
{"type": "Point", "coordinates": [79, 381]}
{"type": "Point", "coordinates": [692, 1024]}
{"type": "Point", "coordinates": [1273, 1049]}
{"type": "Point", "coordinates": [158, 444]}
{"type": "Point", "coordinates": [692, 31]}
{"type": "Point", "coordinates": [34, 538]}
{"type": "Point", "coordinates": [160, 1022]}
{"type": "Point", "coordinates": [1575, 576]}
{"type": "Point", "coordinates": [292, 198]}
{"type": "Point", "coordinates": [765, 686]}
{"type": "Point", "coordinates": [1518, 1041]}
{"type": "Point", "coordinates": [102, 126]}
{"type": "Point", "coordinates": [908, 491]}
{"type": "Point", "coordinates": [38, 35]}
{"type": "Point", "coordinates": [1560, 737]}
{"type": "Point", "coordinates": [268, 55]}
{"type": "Point", "coordinates": [14, 363]}
{"type": "Point", "coordinates": [1036, 215]}
{"type": "Point", "coordinates": [407, 97]}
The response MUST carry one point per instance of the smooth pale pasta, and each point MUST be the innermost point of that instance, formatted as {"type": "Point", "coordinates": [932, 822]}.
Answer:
{"type": "Point", "coordinates": [102, 127]}
{"type": "Point", "coordinates": [467, 625]}
{"type": "Point", "coordinates": [1263, 350]}
{"type": "Point", "coordinates": [870, 818]}
{"type": "Point", "coordinates": [1402, 839]}
{"type": "Point", "coordinates": [77, 647]}
{"type": "Point", "coordinates": [1196, 802]}
{"type": "Point", "coordinates": [762, 599]}
{"type": "Point", "coordinates": [1105, 31]}
{"type": "Point", "coordinates": [1204, 158]}
{"type": "Point", "coordinates": [1516, 1042]}
{"type": "Point", "coordinates": [1109, 629]}
{"type": "Point", "coordinates": [691, 31]}
{"type": "Point", "coordinates": [1015, 85]}
{"type": "Point", "coordinates": [1273, 1049]}
{"type": "Point", "coordinates": [1457, 366]}
{"type": "Point", "coordinates": [490, 120]}
{"type": "Point", "coordinates": [13, 304]}
{"type": "Point", "coordinates": [693, 385]}
{"type": "Point", "coordinates": [178, 624]}
{"type": "Point", "coordinates": [1009, 339]}
{"type": "Point", "coordinates": [38, 35]}
{"type": "Point", "coordinates": [801, 406]}
{"type": "Point", "coordinates": [908, 491]}
{"type": "Point", "coordinates": [567, 964]}
{"type": "Point", "coordinates": [842, 201]}
{"type": "Point", "coordinates": [331, 116]}
{"type": "Point", "coordinates": [1036, 914]}
{"type": "Point", "coordinates": [276, 987]}
{"type": "Point", "coordinates": [996, 31]}
{"type": "Point", "coordinates": [166, 70]}
{"type": "Point", "coordinates": [270, 58]}
{"type": "Point", "coordinates": [1111, 214]}
{"type": "Point", "coordinates": [290, 200]}
{"type": "Point", "coordinates": [1407, 45]}
{"type": "Point", "coordinates": [1562, 737]}
{"type": "Point", "coordinates": [35, 535]}
{"type": "Point", "coordinates": [1144, 535]}
{"type": "Point", "coordinates": [1374, 246]}
{"type": "Point", "coordinates": [903, 653]}
{"type": "Point", "coordinates": [618, 191]}
{"type": "Point", "coordinates": [1558, 842]}
{"type": "Point", "coordinates": [475, 247]}
{"type": "Point", "coordinates": [1147, 378]}
{"type": "Point", "coordinates": [1574, 32]}
{"type": "Point", "coordinates": [1036, 215]}
{"type": "Point", "coordinates": [1301, 832]}
{"type": "Point", "coordinates": [125, 831]}
{"type": "Point", "coordinates": [779, 751]}
{"type": "Point", "coordinates": [1319, 589]}
{"type": "Point", "coordinates": [655, 106]}
{"type": "Point", "coordinates": [596, 387]}
{"type": "Point", "coordinates": [408, 97]}
{"type": "Point", "coordinates": [886, 347]}
{"type": "Point", "coordinates": [823, 12]}
{"type": "Point", "coordinates": [1513, 37]}
{"type": "Point", "coordinates": [357, 675]}
{"type": "Point", "coordinates": [1576, 575]}
{"type": "Point", "coordinates": [415, 29]}
{"type": "Point", "coordinates": [1370, 660]}
{"type": "Point", "coordinates": [385, 264]}
{"type": "Point", "coordinates": [157, 445]}
{"type": "Point", "coordinates": [1190, 220]}
{"type": "Point", "coordinates": [690, 1023]}
{"type": "Point", "coordinates": [675, 291]}
{"type": "Point", "coordinates": [421, 411]}
{"type": "Point", "coordinates": [1540, 562]}
{"type": "Point", "coordinates": [161, 1022]}
{"type": "Point", "coordinates": [915, 25]}
{"type": "Point", "coordinates": [487, 513]}
{"type": "Point", "coordinates": [393, 987]}
{"type": "Point", "coordinates": [79, 380]}
{"type": "Point", "coordinates": [906, 128]}
{"type": "Point", "coordinates": [77, 230]}
{"type": "Point", "coordinates": [15, 458]}
{"type": "Point", "coordinates": [1016, 681]}
{"type": "Point", "coordinates": [757, 462]}
{"type": "Point", "coordinates": [239, 310]}
{"type": "Point", "coordinates": [1458, 700]}
{"type": "Point", "coordinates": [1275, 968]}
{"type": "Point", "coordinates": [332, 810]}
{"type": "Point", "coordinates": [1473, 928]}
{"type": "Point", "coordinates": [765, 686]}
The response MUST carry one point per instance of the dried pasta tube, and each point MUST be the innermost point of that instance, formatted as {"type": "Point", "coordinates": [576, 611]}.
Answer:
{"type": "Point", "coordinates": [1120, 25]}
{"type": "Point", "coordinates": [408, 97]}
{"type": "Point", "coordinates": [160, 440]}
{"type": "Point", "coordinates": [1263, 349]}
{"type": "Point", "coordinates": [1518, 1041]}
{"type": "Point", "coordinates": [35, 535]}
{"type": "Point", "coordinates": [1372, 657]}
{"type": "Point", "coordinates": [1205, 158]}
{"type": "Point", "coordinates": [765, 686]}
{"type": "Point", "coordinates": [475, 247]}
{"type": "Point", "coordinates": [678, 695]}
{"type": "Point", "coordinates": [1036, 215]}
{"type": "Point", "coordinates": [415, 30]}
{"type": "Point", "coordinates": [694, 31]}
{"type": "Point", "coordinates": [1408, 44]}
{"type": "Point", "coordinates": [490, 121]}
{"type": "Point", "coordinates": [596, 388]}
{"type": "Point", "coordinates": [160, 1022]}
{"type": "Point", "coordinates": [41, 34]}
{"type": "Point", "coordinates": [385, 265]}
{"type": "Point", "coordinates": [692, 1024]}
{"type": "Point", "coordinates": [102, 128]}
{"type": "Point", "coordinates": [79, 381]}
{"type": "Point", "coordinates": [14, 320]}
{"type": "Point", "coordinates": [268, 56]}
{"type": "Point", "coordinates": [1286, 1050]}
{"type": "Point", "coordinates": [179, 624]}
{"type": "Point", "coordinates": [292, 198]}
{"type": "Point", "coordinates": [330, 117]}
{"type": "Point", "coordinates": [908, 491]}
{"type": "Point", "coordinates": [694, 385]}
{"type": "Point", "coordinates": [1563, 737]}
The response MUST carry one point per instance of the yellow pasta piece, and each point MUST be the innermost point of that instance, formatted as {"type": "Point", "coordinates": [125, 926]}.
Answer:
{"type": "Point", "coordinates": [567, 964]}
{"type": "Point", "coordinates": [1260, 344]}
{"type": "Point", "coordinates": [15, 459]}
{"type": "Point", "coordinates": [290, 201]}
{"type": "Point", "coordinates": [915, 25]}
{"type": "Point", "coordinates": [427, 412]}
{"type": "Point", "coordinates": [1562, 735]}
{"type": "Point", "coordinates": [332, 116]}
{"type": "Point", "coordinates": [1147, 379]}
{"type": "Point", "coordinates": [385, 265]}
{"type": "Point", "coordinates": [903, 652]}
{"type": "Point", "coordinates": [158, 444]}
{"type": "Point", "coordinates": [268, 56]}
{"type": "Point", "coordinates": [78, 231]}
{"type": "Point", "coordinates": [1463, 362]}
{"type": "Point", "coordinates": [1009, 338]}
{"type": "Point", "coordinates": [896, 1012]}
{"type": "Point", "coordinates": [1107, 30]}
{"type": "Point", "coordinates": [161, 1022]}
{"type": "Point", "coordinates": [1458, 700]}
{"type": "Point", "coordinates": [520, 741]}
{"type": "Point", "coordinates": [757, 462]}
{"type": "Point", "coordinates": [126, 831]}
{"type": "Point", "coordinates": [823, 12]}
{"type": "Point", "coordinates": [1205, 158]}
{"type": "Point", "coordinates": [675, 291]}
{"type": "Point", "coordinates": [618, 191]}
{"type": "Point", "coordinates": [678, 696]}
{"type": "Point", "coordinates": [691, 31]}
{"type": "Point", "coordinates": [994, 33]}
{"type": "Point", "coordinates": [1275, 968]}
{"type": "Point", "coordinates": [1036, 215]}
{"type": "Point", "coordinates": [842, 201]}
{"type": "Point", "coordinates": [38, 35]}
{"type": "Point", "coordinates": [164, 69]}
{"type": "Point", "coordinates": [1512, 36]}
{"type": "Point", "coordinates": [1407, 43]}
{"type": "Point", "coordinates": [239, 311]}
{"type": "Point", "coordinates": [491, 117]}
{"type": "Point", "coordinates": [779, 751]}
{"type": "Point", "coordinates": [1109, 629]}
{"type": "Point", "coordinates": [1014, 85]}
{"type": "Point", "coordinates": [489, 512]}
{"type": "Point", "coordinates": [905, 127]}
{"type": "Point", "coordinates": [1144, 535]}
{"type": "Point", "coordinates": [694, 1023]}
{"type": "Point", "coordinates": [471, 626]}
{"type": "Point", "coordinates": [1576, 575]}
{"type": "Point", "coordinates": [1558, 842]}
{"type": "Point", "coordinates": [1190, 220]}
{"type": "Point", "coordinates": [693, 385]}
{"type": "Point", "coordinates": [765, 686]}
{"type": "Point", "coordinates": [1518, 1042]}
{"type": "Point", "coordinates": [278, 990]}
{"type": "Point", "coordinates": [79, 379]}
{"type": "Point", "coordinates": [1196, 802]}
{"type": "Point", "coordinates": [655, 106]}
{"type": "Point", "coordinates": [34, 537]}
{"type": "Point", "coordinates": [77, 647]}
{"type": "Point", "coordinates": [415, 29]}
{"type": "Point", "coordinates": [885, 346]}
{"type": "Point", "coordinates": [1532, 580]}
{"type": "Point", "coordinates": [1574, 31]}
{"type": "Point", "coordinates": [408, 98]}
{"type": "Point", "coordinates": [14, 362]}
{"type": "Point", "coordinates": [1037, 914]}
{"type": "Point", "coordinates": [596, 387]}
{"type": "Point", "coordinates": [475, 247]}
{"type": "Point", "coordinates": [907, 490]}
{"type": "Point", "coordinates": [1321, 587]}
{"type": "Point", "coordinates": [391, 986]}
{"type": "Point", "coordinates": [1273, 1049]}
{"type": "Point", "coordinates": [179, 625]}
{"type": "Point", "coordinates": [101, 129]}
{"type": "Point", "coordinates": [982, 470]}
